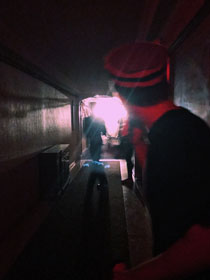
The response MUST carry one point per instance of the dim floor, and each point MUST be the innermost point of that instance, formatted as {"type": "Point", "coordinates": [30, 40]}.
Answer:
{"type": "Point", "coordinates": [88, 229]}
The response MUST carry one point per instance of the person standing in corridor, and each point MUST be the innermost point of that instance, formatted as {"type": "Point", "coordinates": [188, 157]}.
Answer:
{"type": "Point", "coordinates": [174, 149]}
{"type": "Point", "coordinates": [94, 128]}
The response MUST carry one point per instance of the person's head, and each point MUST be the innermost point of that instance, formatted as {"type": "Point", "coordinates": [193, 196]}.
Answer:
{"type": "Point", "coordinates": [139, 72]}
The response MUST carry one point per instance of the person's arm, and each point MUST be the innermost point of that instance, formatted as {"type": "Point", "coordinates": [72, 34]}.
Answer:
{"type": "Point", "coordinates": [189, 255]}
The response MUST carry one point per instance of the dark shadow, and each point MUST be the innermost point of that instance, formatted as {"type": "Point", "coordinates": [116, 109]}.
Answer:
{"type": "Point", "coordinates": [104, 235]}
{"type": "Point", "coordinates": [96, 253]}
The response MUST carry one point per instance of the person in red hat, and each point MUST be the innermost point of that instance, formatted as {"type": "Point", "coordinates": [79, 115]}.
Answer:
{"type": "Point", "coordinates": [172, 145]}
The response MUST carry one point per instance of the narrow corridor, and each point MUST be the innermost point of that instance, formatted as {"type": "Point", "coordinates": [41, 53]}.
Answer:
{"type": "Point", "coordinates": [84, 234]}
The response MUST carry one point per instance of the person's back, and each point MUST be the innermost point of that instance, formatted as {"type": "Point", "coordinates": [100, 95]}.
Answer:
{"type": "Point", "coordinates": [177, 178]}
{"type": "Point", "coordinates": [95, 130]}
{"type": "Point", "coordinates": [176, 181]}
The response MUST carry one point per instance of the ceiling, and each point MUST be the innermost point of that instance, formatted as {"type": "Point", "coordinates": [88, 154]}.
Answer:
{"type": "Point", "coordinates": [64, 42]}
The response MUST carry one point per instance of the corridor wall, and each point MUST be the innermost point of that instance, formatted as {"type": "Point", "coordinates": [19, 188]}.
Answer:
{"type": "Point", "coordinates": [34, 116]}
{"type": "Point", "coordinates": [192, 72]}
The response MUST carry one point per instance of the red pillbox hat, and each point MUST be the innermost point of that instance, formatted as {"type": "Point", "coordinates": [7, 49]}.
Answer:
{"type": "Point", "coordinates": [140, 64]}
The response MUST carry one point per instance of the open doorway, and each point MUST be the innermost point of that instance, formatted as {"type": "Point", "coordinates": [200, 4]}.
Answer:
{"type": "Point", "coordinates": [109, 111]}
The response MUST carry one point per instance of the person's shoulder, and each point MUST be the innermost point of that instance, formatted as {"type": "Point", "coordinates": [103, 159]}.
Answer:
{"type": "Point", "coordinates": [180, 122]}
{"type": "Point", "coordinates": [181, 118]}
{"type": "Point", "coordinates": [193, 122]}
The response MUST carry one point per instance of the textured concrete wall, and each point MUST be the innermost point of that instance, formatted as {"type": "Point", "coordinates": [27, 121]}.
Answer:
{"type": "Point", "coordinates": [192, 72]}
{"type": "Point", "coordinates": [33, 116]}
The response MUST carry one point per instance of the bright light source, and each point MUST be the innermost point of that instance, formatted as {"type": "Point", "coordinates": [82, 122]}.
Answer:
{"type": "Point", "coordinates": [111, 110]}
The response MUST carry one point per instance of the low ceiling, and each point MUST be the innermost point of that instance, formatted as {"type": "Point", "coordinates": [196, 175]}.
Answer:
{"type": "Point", "coordinates": [66, 40]}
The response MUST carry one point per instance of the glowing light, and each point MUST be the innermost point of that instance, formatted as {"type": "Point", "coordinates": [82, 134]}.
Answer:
{"type": "Point", "coordinates": [111, 110]}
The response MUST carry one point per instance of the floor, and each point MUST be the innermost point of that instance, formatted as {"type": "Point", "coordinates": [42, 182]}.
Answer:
{"type": "Point", "coordinates": [89, 228]}
{"type": "Point", "coordinates": [81, 238]}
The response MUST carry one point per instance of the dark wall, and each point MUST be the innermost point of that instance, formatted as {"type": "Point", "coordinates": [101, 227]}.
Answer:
{"type": "Point", "coordinates": [192, 72]}
{"type": "Point", "coordinates": [33, 116]}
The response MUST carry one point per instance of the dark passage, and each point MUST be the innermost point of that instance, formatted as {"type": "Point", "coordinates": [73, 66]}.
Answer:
{"type": "Point", "coordinates": [85, 232]}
